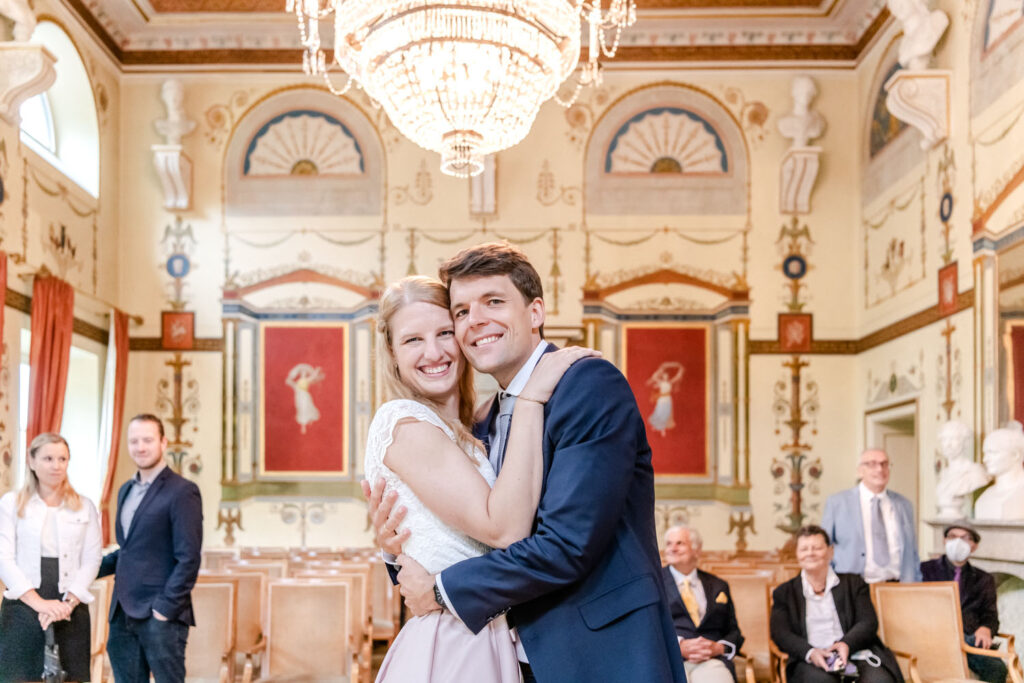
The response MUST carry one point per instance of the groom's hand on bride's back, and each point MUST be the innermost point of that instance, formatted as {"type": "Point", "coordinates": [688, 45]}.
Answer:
{"type": "Point", "coordinates": [385, 517]}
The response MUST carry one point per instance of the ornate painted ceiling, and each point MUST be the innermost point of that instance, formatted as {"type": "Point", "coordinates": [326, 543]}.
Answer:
{"type": "Point", "coordinates": [259, 34]}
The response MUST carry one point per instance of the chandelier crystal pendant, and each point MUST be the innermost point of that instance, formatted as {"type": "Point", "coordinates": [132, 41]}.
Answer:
{"type": "Point", "coordinates": [464, 78]}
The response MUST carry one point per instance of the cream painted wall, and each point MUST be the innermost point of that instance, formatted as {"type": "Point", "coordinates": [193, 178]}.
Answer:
{"type": "Point", "coordinates": [133, 224]}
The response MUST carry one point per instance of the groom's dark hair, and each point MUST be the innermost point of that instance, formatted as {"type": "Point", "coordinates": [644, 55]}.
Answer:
{"type": "Point", "coordinates": [494, 258]}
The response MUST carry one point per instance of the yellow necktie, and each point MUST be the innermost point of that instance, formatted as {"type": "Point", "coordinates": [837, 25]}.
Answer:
{"type": "Point", "coordinates": [690, 600]}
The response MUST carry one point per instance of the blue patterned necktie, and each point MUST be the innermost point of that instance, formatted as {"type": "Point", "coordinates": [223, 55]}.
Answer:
{"type": "Point", "coordinates": [879, 538]}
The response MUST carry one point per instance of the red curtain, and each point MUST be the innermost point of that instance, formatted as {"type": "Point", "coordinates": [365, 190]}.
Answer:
{"type": "Point", "coordinates": [1017, 343]}
{"type": "Point", "coordinates": [120, 342]}
{"type": "Point", "coordinates": [53, 314]}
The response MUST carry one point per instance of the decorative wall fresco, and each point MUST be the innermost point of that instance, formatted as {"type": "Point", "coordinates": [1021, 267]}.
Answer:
{"type": "Point", "coordinates": [177, 400]}
{"type": "Point", "coordinates": [179, 244]}
{"type": "Point", "coordinates": [303, 142]}
{"type": "Point", "coordinates": [304, 401]}
{"type": "Point", "coordinates": [303, 152]}
{"type": "Point", "coordinates": [219, 119]}
{"type": "Point", "coordinates": [902, 380]}
{"type": "Point", "coordinates": [753, 115]}
{"type": "Point", "coordinates": [667, 149]}
{"type": "Point", "coordinates": [894, 258]}
{"type": "Point", "coordinates": [667, 367]}
{"type": "Point", "coordinates": [666, 140]}
{"type": "Point", "coordinates": [796, 471]}
{"type": "Point", "coordinates": [949, 375]}
{"type": "Point", "coordinates": [884, 126]}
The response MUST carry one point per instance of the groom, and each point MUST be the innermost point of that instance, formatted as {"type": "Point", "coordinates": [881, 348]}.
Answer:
{"type": "Point", "coordinates": [584, 590]}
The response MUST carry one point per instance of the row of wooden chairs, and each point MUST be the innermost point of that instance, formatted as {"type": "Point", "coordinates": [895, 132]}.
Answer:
{"type": "Point", "coordinates": [278, 618]}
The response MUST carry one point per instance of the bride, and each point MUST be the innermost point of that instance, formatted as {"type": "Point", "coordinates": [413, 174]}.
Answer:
{"type": "Point", "coordinates": [420, 443]}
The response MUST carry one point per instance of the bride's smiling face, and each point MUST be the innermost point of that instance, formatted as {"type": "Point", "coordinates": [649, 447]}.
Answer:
{"type": "Point", "coordinates": [428, 357]}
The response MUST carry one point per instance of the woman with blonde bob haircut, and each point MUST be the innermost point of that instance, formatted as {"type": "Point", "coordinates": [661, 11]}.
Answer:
{"type": "Point", "coordinates": [421, 444]}
{"type": "Point", "coordinates": [50, 549]}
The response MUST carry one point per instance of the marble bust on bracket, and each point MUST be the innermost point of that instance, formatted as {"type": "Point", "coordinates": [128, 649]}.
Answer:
{"type": "Point", "coordinates": [1004, 459]}
{"type": "Point", "coordinates": [961, 474]}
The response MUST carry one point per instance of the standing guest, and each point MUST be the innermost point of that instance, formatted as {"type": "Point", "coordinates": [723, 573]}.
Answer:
{"type": "Point", "coordinates": [977, 597]}
{"type": "Point", "coordinates": [49, 555]}
{"type": "Point", "coordinates": [702, 610]}
{"type": "Point", "coordinates": [872, 527]}
{"type": "Point", "coordinates": [159, 529]}
{"type": "Point", "coordinates": [825, 621]}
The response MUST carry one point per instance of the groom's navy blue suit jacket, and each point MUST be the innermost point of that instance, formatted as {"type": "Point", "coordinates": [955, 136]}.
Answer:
{"type": "Point", "coordinates": [585, 589]}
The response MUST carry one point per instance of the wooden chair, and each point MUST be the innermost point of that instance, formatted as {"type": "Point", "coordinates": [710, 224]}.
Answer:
{"type": "Point", "coordinates": [214, 558]}
{"type": "Point", "coordinates": [263, 553]}
{"type": "Point", "coordinates": [387, 603]}
{"type": "Point", "coordinates": [777, 659]}
{"type": "Point", "coordinates": [921, 622]}
{"type": "Point", "coordinates": [273, 569]}
{"type": "Point", "coordinates": [99, 609]}
{"type": "Point", "coordinates": [308, 632]}
{"type": "Point", "coordinates": [747, 591]}
{"type": "Point", "coordinates": [210, 651]}
{"type": "Point", "coordinates": [358, 577]}
{"type": "Point", "coordinates": [250, 613]}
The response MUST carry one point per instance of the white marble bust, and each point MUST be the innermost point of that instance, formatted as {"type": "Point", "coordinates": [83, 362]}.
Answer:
{"type": "Point", "coordinates": [961, 475]}
{"type": "Point", "coordinates": [175, 126]}
{"type": "Point", "coordinates": [802, 124]}
{"type": "Point", "coordinates": [922, 29]}
{"type": "Point", "coordinates": [1004, 455]}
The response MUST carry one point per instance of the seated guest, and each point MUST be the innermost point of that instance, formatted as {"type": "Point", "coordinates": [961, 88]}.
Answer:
{"type": "Point", "coordinates": [977, 597]}
{"type": "Point", "coordinates": [702, 610]}
{"type": "Point", "coordinates": [825, 621]}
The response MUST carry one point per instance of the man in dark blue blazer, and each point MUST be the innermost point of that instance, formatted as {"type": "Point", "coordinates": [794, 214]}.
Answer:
{"type": "Point", "coordinates": [585, 590]}
{"type": "Point", "coordinates": [702, 610]}
{"type": "Point", "coordinates": [159, 529]}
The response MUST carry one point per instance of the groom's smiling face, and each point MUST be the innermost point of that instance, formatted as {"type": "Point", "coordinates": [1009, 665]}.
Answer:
{"type": "Point", "coordinates": [495, 325]}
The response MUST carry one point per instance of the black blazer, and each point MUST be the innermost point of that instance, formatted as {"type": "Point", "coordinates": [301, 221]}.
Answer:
{"type": "Point", "coordinates": [157, 563]}
{"type": "Point", "coordinates": [977, 593]}
{"type": "Point", "coordinates": [856, 617]}
{"type": "Point", "coordinates": [719, 622]}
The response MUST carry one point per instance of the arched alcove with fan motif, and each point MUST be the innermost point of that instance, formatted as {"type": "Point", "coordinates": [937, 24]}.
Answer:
{"type": "Point", "coordinates": [667, 149]}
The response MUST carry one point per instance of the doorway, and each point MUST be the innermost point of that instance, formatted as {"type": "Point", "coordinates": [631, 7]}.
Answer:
{"type": "Point", "coordinates": [894, 429]}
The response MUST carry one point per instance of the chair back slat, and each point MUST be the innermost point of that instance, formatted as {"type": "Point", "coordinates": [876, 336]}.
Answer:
{"type": "Point", "coordinates": [308, 629]}
{"type": "Point", "coordinates": [923, 619]}
{"type": "Point", "coordinates": [210, 644]}
{"type": "Point", "coordinates": [250, 604]}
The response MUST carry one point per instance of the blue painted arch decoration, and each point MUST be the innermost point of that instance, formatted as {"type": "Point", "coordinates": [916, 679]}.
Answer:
{"type": "Point", "coordinates": [303, 142]}
{"type": "Point", "coordinates": [667, 139]}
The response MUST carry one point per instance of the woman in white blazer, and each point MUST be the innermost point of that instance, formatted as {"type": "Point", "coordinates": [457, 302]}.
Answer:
{"type": "Point", "coordinates": [50, 548]}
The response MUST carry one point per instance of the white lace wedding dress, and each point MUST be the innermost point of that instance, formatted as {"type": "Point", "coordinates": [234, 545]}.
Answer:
{"type": "Point", "coordinates": [437, 647]}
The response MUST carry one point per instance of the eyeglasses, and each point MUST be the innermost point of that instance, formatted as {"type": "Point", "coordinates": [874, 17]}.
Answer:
{"type": "Point", "coordinates": [873, 464]}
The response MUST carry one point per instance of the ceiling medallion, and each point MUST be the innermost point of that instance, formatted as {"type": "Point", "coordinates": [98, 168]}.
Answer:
{"type": "Point", "coordinates": [464, 78]}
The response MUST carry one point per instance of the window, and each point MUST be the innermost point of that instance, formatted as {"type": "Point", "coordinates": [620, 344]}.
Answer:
{"type": "Point", "coordinates": [81, 420]}
{"type": "Point", "coordinates": [37, 122]}
{"type": "Point", "coordinates": [61, 125]}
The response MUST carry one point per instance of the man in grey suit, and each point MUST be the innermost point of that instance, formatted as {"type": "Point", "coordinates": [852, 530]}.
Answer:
{"type": "Point", "coordinates": [873, 528]}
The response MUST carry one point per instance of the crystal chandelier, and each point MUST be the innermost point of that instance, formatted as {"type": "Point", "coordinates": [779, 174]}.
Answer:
{"type": "Point", "coordinates": [464, 78]}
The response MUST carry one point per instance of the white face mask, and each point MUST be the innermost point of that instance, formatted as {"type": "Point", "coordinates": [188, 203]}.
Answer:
{"type": "Point", "coordinates": [957, 549]}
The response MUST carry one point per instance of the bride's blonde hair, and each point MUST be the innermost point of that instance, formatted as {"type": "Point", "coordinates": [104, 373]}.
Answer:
{"type": "Point", "coordinates": [410, 290]}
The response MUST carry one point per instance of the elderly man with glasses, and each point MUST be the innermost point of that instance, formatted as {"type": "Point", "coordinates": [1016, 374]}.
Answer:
{"type": "Point", "coordinates": [872, 527]}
